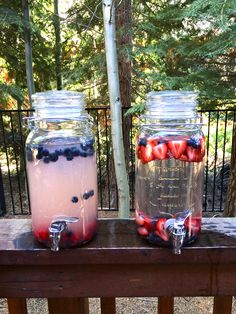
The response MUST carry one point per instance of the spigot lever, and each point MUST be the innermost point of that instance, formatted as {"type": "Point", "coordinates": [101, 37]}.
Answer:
{"type": "Point", "coordinates": [175, 227]}
{"type": "Point", "coordinates": [57, 227]}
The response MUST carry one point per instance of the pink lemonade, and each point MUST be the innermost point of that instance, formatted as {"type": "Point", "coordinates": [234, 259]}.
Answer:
{"type": "Point", "coordinates": [63, 183]}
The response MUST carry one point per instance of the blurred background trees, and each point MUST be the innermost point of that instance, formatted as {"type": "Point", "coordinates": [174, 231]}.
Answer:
{"type": "Point", "coordinates": [162, 44]}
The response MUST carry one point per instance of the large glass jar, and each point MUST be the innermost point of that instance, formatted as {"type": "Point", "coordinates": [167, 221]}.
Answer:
{"type": "Point", "coordinates": [61, 170]}
{"type": "Point", "coordinates": [170, 149]}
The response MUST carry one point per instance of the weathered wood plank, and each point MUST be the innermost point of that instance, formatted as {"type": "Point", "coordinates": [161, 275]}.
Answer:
{"type": "Point", "coordinates": [117, 255]}
{"type": "Point", "coordinates": [17, 306]}
{"type": "Point", "coordinates": [222, 305]}
{"type": "Point", "coordinates": [68, 306]}
{"type": "Point", "coordinates": [108, 305]}
{"type": "Point", "coordinates": [116, 240]}
{"type": "Point", "coordinates": [165, 305]}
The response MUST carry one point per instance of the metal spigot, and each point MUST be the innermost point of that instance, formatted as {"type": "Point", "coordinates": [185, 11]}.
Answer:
{"type": "Point", "coordinates": [57, 227]}
{"type": "Point", "coordinates": [175, 227]}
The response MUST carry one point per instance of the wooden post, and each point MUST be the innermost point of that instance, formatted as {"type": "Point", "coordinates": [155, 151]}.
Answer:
{"type": "Point", "coordinates": [165, 305]}
{"type": "Point", "coordinates": [222, 305]}
{"type": "Point", "coordinates": [68, 306]}
{"type": "Point", "coordinates": [108, 306]}
{"type": "Point", "coordinates": [17, 306]}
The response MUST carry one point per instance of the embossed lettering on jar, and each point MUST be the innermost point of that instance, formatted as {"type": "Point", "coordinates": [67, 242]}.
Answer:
{"type": "Point", "coordinates": [170, 149]}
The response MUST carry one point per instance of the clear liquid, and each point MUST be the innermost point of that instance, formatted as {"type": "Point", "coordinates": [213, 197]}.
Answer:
{"type": "Point", "coordinates": [169, 186]}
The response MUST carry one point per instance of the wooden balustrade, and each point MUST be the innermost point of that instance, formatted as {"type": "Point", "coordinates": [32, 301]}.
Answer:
{"type": "Point", "coordinates": [117, 263]}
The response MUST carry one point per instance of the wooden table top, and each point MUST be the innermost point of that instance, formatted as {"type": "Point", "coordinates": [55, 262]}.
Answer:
{"type": "Point", "coordinates": [117, 242]}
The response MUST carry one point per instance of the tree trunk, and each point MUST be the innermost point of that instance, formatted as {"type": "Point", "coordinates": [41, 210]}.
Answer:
{"type": "Point", "coordinates": [115, 102]}
{"type": "Point", "coordinates": [28, 50]}
{"type": "Point", "coordinates": [230, 205]}
{"type": "Point", "coordinates": [57, 29]}
{"type": "Point", "coordinates": [124, 43]}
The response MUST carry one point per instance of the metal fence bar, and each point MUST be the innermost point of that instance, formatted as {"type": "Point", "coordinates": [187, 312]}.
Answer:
{"type": "Point", "coordinates": [12, 137]}
{"type": "Point", "coordinates": [215, 161]}
{"type": "Point", "coordinates": [8, 164]}
{"type": "Point", "coordinates": [223, 162]}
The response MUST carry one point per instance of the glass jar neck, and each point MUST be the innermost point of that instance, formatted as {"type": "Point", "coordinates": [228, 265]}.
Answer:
{"type": "Point", "coordinates": [59, 105]}
{"type": "Point", "coordinates": [171, 105]}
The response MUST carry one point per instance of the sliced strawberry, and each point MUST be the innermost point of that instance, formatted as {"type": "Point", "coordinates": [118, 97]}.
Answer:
{"type": "Point", "coordinates": [146, 154]}
{"type": "Point", "coordinates": [183, 158]}
{"type": "Point", "coordinates": [193, 225]}
{"type": "Point", "coordinates": [139, 219]}
{"type": "Point", "coordinates": [152, 141]}
{"type": "Point", "coordinates": [149, 223]}
{"type": "Point", "coordinates": [160, 229]}
{"type": "Point", "coordinates": [160, 151]}
{"type": "Point", "coordinates": [143, 231]}
{"type": "Point", "coordinates": [138, 151]}
{"type": "Point", "coordinates": [203, 146]}
{"type": "Point", "coordinates": [177, 148]}
{"type": "Point", "coordinates": [194, 154]}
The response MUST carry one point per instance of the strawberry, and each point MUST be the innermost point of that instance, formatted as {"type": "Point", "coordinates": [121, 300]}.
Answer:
{"type": "Point", "coordinates": [203, 146]}
{"type": "Point", "coordinates": [194, 154]}
{"type": "Point", "coordinates": [160, 229]}
{"type": "Point", "coordinates": [152, 141]}
{"type": "Point", "coordinates": [160, 151]}
{"type": "Point", "coordinates": [177, 148]}
{"type": "Point", "coordinates": [149, 223]}
{"type": "Point", "coordinates": [146, 154]}
{"type": "Point", "coordinates": [183, 158]}
{"type": "Point", "coordinates": [139, 219]}
{"type": "Point", "coordinates": [143, 231]}
{"type": "Point", "coordinates": [193, 225]}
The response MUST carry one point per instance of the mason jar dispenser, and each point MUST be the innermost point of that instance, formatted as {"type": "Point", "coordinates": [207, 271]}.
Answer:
{"type": "Point", "coordinates": [61, 170]}
{"type": "Point", "coordinates": [170, 149]}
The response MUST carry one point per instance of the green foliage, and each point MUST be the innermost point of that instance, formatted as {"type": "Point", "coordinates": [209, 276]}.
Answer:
{"type": "Point", "coordinates": [188, 45]}
{"type": "Point", "coordinates": [181, 44]}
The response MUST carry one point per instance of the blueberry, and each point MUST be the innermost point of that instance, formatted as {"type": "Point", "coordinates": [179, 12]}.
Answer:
{"type": "Point", "coordinates": [69, 157]}
{"type": "Point", "coordinates": [40, 148]}
{"type": "Point", "coordinates": [88, 194]}
{"type": "Point", "coordinates": [142, 141]}
{"type": "Point", "coordinates": [84, 146]}
{"type": "Point", "coordinates": [90, 152]}
{"type": "Point", "coordinates": [91, 192]}
{"type": "Point", "coordinates": [53, 157]}
{"type": "Point", "coordinates": [39, 155]}
{"type": "Point", "coordinates": [45, 152]}
{"type": "Point", "coordinates": [29, 154]}
{"type": "Point", "coordinates": [74, 199]}
{"type": "Point", "coordinates": [90, 142]}
{"type": "Point", "coordinates": [59, 152]}
{"type": "Point", "coordinates": [67, 152]}
{"type": "Point", "coordinates": [194, 142]}
{"type": "Point", "coordinates": [82, 153]}
{"type": "Point", "coordinates": [75, 151]}
{"type": "Point", "coordinates": [46, 159]}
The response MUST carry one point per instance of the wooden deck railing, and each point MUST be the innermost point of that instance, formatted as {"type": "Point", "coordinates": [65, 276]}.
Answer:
{"type": "Point", "coordinates": [117, 263]}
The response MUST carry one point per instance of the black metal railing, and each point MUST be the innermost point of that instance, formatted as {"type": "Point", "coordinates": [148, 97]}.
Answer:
{"type": "Point", "coordinates": [14, 197]}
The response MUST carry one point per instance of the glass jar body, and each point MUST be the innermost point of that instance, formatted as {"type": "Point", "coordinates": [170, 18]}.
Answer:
{"type": "Point", "coordinates": [169, 179]}
{"type": "Point", "coordinates": [62, 180]}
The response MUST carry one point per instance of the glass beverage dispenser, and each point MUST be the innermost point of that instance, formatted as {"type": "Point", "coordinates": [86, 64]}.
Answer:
{"type": "Point", "coordinates": [170, 149]}
{"type": "Point", "coordinates": [61, 170]}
